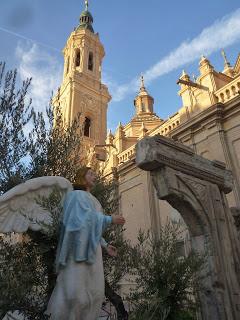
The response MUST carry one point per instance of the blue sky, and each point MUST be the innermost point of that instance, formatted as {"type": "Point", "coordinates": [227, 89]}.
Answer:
{"type": "Point", "coordinates": [157, 38]}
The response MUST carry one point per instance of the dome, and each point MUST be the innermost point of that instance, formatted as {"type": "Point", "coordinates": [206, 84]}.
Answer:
{"type": "Point", "coordinates": [86, 20]}
{"type": "Point", "coordinates": [86, 14]}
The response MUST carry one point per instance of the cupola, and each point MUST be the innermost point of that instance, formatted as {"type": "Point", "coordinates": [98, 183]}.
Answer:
{"type": "Point", "coordinates": [143, 102]}
{"type": "Point", "coordinates": [86, 19]}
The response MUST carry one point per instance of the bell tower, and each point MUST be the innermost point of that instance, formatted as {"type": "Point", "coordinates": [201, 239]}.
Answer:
{"type": "Point", "coordinates": [82, 90]}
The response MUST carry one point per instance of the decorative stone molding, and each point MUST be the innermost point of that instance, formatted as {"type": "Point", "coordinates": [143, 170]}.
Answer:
{"type": "Point", "coordinates": [88, 102]}
{"type": "Point", "coordinates": [159, 151]}
{"type": "Point", "coordinates": [196, 187]}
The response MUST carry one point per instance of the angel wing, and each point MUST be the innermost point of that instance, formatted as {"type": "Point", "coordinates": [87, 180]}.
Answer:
{"type": "Point", "coordinates": [19, 210]}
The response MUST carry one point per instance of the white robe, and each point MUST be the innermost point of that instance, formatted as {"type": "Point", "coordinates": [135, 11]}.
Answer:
{"type": "Point", "coordinates": [79, 291]}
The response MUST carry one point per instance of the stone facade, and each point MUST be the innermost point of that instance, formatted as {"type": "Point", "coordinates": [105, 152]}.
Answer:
{"type": "Point", "coordinates": [208, 122]}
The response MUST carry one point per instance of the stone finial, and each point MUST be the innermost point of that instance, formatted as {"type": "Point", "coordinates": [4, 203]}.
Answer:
{"type": "Point", "coordinates": [205, 65]}
{"type": "Point", "coordinates": [86, 5]}
{"type": "Point", "coordinates": [204, 61]}
{"type": "Point", "coordinates": [143, 90]}
{"type": "Point", "coordinates": [184, 73]}
{"type": "Point", "coordinates": [228, 70]}
{"type": "Point", "coordinates": [226, 62]}
{"type": "Point", "coordinates": [110, 134]}
{"type": "Point", "coordinates": [119, 128]}
{"type": "Point", "coordinates": [185, 76]}
{"type": "Point", "coordinates": [110, 137]}
{"type": "Point", "coordinates": [119, 125]}
{"type": "Point", "coordinates": [142, 83]}
{"type": "Point", "coordinates": [143, 131]}
{"type": "Point", "coordinates": [119, 137]}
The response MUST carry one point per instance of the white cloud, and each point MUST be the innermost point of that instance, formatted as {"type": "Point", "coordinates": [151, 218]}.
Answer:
{"type": "Point", "coordinates": [44, 69]}
{"type": "Point", "coordinates": [221, 34]}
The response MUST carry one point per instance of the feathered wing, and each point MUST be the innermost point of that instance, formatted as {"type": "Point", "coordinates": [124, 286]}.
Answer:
{"type": "Point", "coordinates": [19, 208]}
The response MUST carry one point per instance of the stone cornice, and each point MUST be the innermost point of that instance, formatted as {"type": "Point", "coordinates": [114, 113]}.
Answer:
{"type": "Point", "coordinates": [156, 152]}
{"type": "Point", "coordinates": [127, 166]}
{"type": "Point", "coordinates": [217, 112]}
{"type": "Point", "coordinates": [77, 80]}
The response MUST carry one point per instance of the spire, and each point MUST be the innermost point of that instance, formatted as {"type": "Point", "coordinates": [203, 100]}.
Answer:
{"type": "Point", "coordinates": [228, 70]}
{"type": "Point", "coordinates": [119, 132]}
{"type": "Point", "coordinates": [86, 19]}
{"type": "Point", "coordinates": [110, 137]}
{"type": "Point", "coordinates": [203, 58]}
{"type": "Point", "coordinates": [142, 88]}
{"type": "Point", "coordinates": [226, 62]}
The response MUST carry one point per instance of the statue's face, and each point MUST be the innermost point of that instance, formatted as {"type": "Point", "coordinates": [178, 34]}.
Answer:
{"type": "Point", "coordinates": [90, 178]}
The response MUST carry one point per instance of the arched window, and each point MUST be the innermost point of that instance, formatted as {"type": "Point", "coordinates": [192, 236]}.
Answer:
{"type": "Point", "coordinates": [67, 67]}
{"type": "Point", "coordinates": [87, 127]}
{"type": "Point", "coordinates": [90, 61]}
{"type": "Point", "coordinates": [77, 58]}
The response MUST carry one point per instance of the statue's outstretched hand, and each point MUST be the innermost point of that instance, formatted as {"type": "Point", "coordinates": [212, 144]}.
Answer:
{"type": "Point", "coordinates": [111, 250]}
{"type": "Point", "coordinates": [117, 219]}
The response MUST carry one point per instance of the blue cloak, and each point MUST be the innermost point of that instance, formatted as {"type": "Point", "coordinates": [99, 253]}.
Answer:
{"type": "Point", "coordinates": [81, 229]}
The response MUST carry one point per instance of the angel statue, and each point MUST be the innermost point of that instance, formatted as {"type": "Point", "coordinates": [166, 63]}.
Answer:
{"type": "Point", "coordinates": [79, 289]}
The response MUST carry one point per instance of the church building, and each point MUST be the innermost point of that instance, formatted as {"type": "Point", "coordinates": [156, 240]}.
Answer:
{"type": "Point", "coordinates": [208, 122]}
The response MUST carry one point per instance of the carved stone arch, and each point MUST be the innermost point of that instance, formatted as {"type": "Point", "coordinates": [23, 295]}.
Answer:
{"type": "Point", "coordinates": [178, 197]}
{"type": "Point", "coordinates": [196, 187]}
{"type": "Point", "coordinates": [187, 195]}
